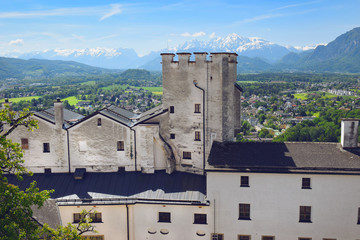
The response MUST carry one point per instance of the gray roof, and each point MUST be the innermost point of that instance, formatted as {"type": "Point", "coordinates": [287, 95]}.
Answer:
{"type": "Point", "coordinates": [69, 116]}
{"type": "Point", "coordinates": [120, 187]}
{"type": "Point", "coordinates": [150, 114]}
{"type": "Point", "coordinates": [49, 213]}
{"type": "Point", "coordinates": [284, 157]}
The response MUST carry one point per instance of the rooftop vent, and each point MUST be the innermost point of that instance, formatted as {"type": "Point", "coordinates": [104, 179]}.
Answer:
{"type": "Point", "coordinates": [79, 173]}
{"type": "Point", "coordinates": [349, 132]}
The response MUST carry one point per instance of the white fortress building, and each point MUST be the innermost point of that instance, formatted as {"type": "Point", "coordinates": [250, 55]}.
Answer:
{"type": "Point", "coordinates": [175, 172]}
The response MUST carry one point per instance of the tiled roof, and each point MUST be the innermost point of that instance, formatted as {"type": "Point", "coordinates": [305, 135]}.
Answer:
{"type": "Point", "coordinates": [120, 187]}
{"type": "Point", "coordinates": [284, 157]}
{"type": "Point", "coordinates": [49, 115]}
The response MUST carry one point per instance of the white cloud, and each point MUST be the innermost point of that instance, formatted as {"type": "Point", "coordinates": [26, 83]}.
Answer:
{"type": "Point", "coordinates": [115, 9]}
{"type": "Point", "coordinates": [197, 34]}
{"type": "Point", "coordinates": [17, 42]}
{"type": "Point", "coordinates": [212, 35]}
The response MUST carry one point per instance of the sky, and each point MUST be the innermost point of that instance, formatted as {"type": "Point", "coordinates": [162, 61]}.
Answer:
{"type": "Point", "coordinates": [152, 25]}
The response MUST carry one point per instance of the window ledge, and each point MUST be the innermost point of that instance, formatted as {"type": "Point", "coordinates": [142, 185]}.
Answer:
{"type": "Point", "coordinates": [163, 222]}
{"type": "Point", "coordinates": [244, 186]}
{"type": "Point", "coordinates": [306, 188]}
{"type": "Point", "coordinates": [200, 223]}
{"type": "Point", "coordinates": [304, 221]}
{"type": "Point", "coordinates": [248, 219]}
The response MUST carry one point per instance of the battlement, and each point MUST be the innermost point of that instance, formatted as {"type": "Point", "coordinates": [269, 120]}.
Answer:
{"type": "Point", "coordinates": [184, 57]}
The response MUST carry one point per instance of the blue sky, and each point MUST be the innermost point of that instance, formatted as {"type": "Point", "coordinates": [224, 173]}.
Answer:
{"type": "Point", "coordinates": [34, 25]}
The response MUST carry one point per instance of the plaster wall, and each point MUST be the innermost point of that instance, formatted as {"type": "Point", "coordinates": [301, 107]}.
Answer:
{"type": "Point", "coordinates": [35, 158]}
{"type": "Point", "coordinates": [275, 200]}
{"type": "Point", "coordinates": [95, 147]}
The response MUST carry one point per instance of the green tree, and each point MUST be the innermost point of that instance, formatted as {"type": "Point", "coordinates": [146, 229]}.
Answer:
{"type": "Point", "coordinates": [16, 216]}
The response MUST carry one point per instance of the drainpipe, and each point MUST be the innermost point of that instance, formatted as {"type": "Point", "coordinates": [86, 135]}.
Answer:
{"type": "Point", "coordinates": [68, 148]}
{"type": "Point", "coordinates": [127, 222]}
{"type": "Point", "coordinates": [203, 92]}
{"type": "Point", "coordinates": [134, 148]}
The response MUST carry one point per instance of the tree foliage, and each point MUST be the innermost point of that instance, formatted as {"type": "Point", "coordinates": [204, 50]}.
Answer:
{"type": "Point", "coordinates": [16, 215]}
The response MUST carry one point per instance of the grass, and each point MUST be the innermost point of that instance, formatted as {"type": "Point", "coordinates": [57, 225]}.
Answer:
{"type": "Point", "coordinates": [154, 90]}
{"type": "Point", "coordinates": [88, 83]}
{"type": "Point", "coordinates": [302, 96]}
{"type": "Point", "coordinates": [72, 100]}
{"type": "Point", "coordinates": [305, 96]}
{"type": "Point", "coordinates": [114, 86]}
{"type": "Point", "coordinates": [317, 114]}
{"type": "Point", "coordinates": [239, 82]}
{"type": "Point", "coordinates": [15, 100]}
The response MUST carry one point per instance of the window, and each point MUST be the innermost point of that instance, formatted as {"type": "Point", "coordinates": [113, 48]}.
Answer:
{"type": "Point", "coordinates": [24, 143]}
{"type": "Point", "coordinates": [77, 217]}
{"type": "Point", "coordinates": [186, 155]}
{"type": "Point", "coordinates": [244, 237]}
{"type": "Point", "coordinates": [197, 108]}
{"type": "Point", "coordinates": [305, 214]}
{"type": "Point", "coordinates": [217, 236]}
{"type": "Point", "coordinates": [164, 217]}
{"type": "Point", "coordinates": [301, 238]}
{"type": "Point", "coordinates": [329, 238]}
{"type": "Point", "coordinates": [267, 238]}
{"type": "Point", "coordinates": [172, 135]}
{"type": "Point", "coordinates": [306, 183]}
{"type": "Point", "coordinates": [96, 217]}
{"type": "Point", "coordinates": [99, 121]}
{"type": "Point", "coordinates": [200, 218]}
{"type": "Point", "coordinates": [172, 109]}
{"type": "Point", "coordinates": [244, 211]}
{"type": "Point", "coordinates": [358, 216]}
{"type": "Point", "coordinates": [46, 147]}
{"type": "Point", "coordinates": [120, 145]}
{"type": "Point", "coordinates": [244, 181]}
{"type": "Point", "coordinates": [197, 136]}
{"type": "Point", "coordinates": [47, 170]}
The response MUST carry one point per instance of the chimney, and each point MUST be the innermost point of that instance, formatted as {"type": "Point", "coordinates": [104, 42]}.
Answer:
{"type": "Point", "coordinates": [7, 103]}
{"type": "Point", "coordinates": [59, 113]}
{"type": "Point", "coordinates": [349, 132]}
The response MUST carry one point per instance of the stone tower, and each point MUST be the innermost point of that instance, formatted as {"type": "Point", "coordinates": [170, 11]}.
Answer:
{"type": "Point", "coordinates": [203, 102]}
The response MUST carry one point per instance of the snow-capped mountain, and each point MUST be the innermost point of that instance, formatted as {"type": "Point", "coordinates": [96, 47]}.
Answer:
{"type": "Point", "coordinates": [122, 58]}
{"type": "Point", "coordinates": [244, 46]}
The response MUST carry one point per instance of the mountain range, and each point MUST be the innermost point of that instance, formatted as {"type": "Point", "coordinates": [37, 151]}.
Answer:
{"type": "Point", "coordinates": [255, 55]}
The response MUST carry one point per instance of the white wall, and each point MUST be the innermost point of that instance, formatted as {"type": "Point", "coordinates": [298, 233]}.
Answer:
{"type": "Point", "coordinates": [275, 200]}
{"type": "Point", "coordinates": [35, 159]}
{"type": "Point", "coordinates": [143, 217]}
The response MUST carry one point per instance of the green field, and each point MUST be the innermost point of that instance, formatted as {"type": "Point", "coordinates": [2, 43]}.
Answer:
{"type": "Point", "coordinates": [15, 100]}
{"type": "Point", "coordinates": [305, 96]}
{"type": "Point", "coordinates": [72, 100]}
{"type": "Point", "coordinates": [111, 87]}
{"type": "Point", "coordinates": [154, 90]}
{"type": "Point", "coordinates": [240, 82]}
{"type": "Point", "coordinates": [88, 83]}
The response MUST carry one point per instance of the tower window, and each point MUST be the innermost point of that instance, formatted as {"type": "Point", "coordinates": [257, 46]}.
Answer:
{"type": "Point", "coordinates": [120, 145]}
{"type": "Point", "coordinates": [172, 135]}
{"type": "Point", "coordinates": [186, 155]}
{"type": "Point", "coordinates": [164, 217]}
{"type": "Point", "coordinates": [200, 218]}
{"type": "Point", "coordinates": [197, 136]}
{"type": "Point", "coordinates": [306, 183]}
{"type": "Point", "coordinates": [244, 181]}
{"type": "Point", "coordinates": [244, 211]}
{"type": "Point", "coordinates": [99, 122]}
{"type": "Point", "coordinates": [172, 109]}
{"type": "Point", "coordinates": [197, 108]}
{"type": "Point", "coordinates": [46, 147]}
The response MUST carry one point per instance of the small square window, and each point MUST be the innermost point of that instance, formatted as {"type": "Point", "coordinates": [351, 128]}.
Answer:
{"type": "Point", "coordinates": [305, 214]}
{"type": "Point", "coordinates": [197, 136]}
{"type": "Point", "coordinates": [96, 217]}
{"type": "Point", "coordinates": [172, 109]}
{"type": "Point", "coordinates": [47, 170]}
{"type": "Point", "coordinates": [24, 143]}
{"type": "Point", "coordinates": [302, 238]}
{"type": "Point", "coordinates": [172, 135]}
{"type": "Point", "coordinates": [244, 181]}
{"type": "Point", "coordinates": [120, 145]}
{"type": "Point", "coordinates": [217, 236]}
{"type": "Point", "coordinates": [200, 218]}
{"type": "Point", "coordinates": [77, 217]}
{"type": "Point", "coordinates": [244, 237]}
{"type": "Point", "coordinates": [267, 238]}
{"type": "Point", "coordinates": [306, 183]}
{"type": "Point", "coordinates": [186, 155]}
{"type": "Point", "coordinates": [99, 122]}
{"type": "Point", "coordinates": [46, 147]}
{"type": "Point", "coordinates": [164, 217]}
{"type": "Point", "coordinates": [358, 216]}
{"type": "Point", "coordinates": [244, 211]}
{"type": "Point", "coordinates": [197, 108]}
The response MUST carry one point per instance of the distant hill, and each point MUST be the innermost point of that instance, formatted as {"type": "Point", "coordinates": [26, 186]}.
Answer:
{"type": "Point", "coordinates": [340, 55]}
{"type": "Point", "coordinates": [38, 68]}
